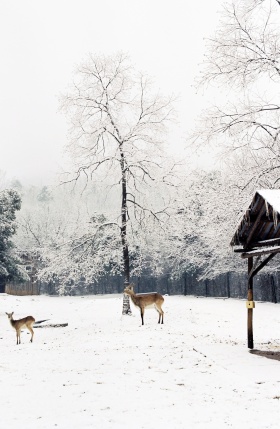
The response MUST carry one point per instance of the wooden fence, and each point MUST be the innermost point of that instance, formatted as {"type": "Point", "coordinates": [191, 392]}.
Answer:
{"type": "Point", "coordinates": [26, 288]}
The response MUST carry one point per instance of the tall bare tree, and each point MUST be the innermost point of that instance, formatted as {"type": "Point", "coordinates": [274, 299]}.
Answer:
{"type": "Point", "coordinates": [118, 124]}
{"type": "Point", "coordinates": [243, 58]}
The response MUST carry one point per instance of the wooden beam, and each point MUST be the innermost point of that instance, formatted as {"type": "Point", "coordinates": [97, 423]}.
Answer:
{"type": "Point", "coordinates": [270, 242]}
{"type": "Point", "coordinates": [255, 225]}
{"type": "Point", "coordinates": [257, 259]}
{"type": "Point", "coordinates": [259, 252]}
{"type": "Point", "coordinates": [255, 271]}
{"type": "Point", "coordinates": [257, 244]}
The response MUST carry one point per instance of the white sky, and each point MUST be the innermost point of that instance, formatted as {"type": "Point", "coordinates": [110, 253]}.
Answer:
{"type": "Point", "coordinates": [41, 41]}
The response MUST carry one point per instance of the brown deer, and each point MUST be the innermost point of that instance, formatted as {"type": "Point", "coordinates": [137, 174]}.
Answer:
{"type": "Point", "coordinates": [26, 322]}
{"type": "Point", "coordinates": [146, 300]}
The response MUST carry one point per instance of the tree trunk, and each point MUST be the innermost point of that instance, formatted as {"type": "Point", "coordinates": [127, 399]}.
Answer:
{"type": "Point", "coordinates": [126, 269]}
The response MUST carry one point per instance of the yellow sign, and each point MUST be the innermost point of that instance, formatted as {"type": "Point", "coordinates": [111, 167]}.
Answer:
{"type": "Point", "coordinates": [250, 304]}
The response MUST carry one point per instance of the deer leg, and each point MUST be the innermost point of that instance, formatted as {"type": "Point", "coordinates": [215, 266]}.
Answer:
{"type": "Point", "coordinates": [160, 312]}
{"type": "Point", "coordinates": [18, 337]}
{"type": "Point", "coordinates": [142, 315]}
{"type": "Point", "coordinates": [32, 333]}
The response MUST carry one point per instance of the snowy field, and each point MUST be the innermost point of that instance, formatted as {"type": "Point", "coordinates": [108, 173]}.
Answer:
{"type": "Point", "coordinates": [104, 370]}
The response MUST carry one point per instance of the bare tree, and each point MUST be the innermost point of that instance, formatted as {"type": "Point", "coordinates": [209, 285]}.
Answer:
{"type": "Point", "coordinates": [117, 130]}
{"type": "Point", "coordinates": [244, 56]}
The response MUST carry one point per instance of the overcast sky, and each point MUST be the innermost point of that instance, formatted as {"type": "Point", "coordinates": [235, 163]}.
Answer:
{"type": "Point", "coordinates": [41, 41]}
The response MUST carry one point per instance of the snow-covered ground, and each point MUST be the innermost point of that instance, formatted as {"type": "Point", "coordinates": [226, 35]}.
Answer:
{"type": "Point", "coordinates": [106, 371]}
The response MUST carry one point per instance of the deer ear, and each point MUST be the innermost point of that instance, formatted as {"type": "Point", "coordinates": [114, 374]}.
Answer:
{"type": "Point", "coordinates": [12, 313]}
{"type": "Point", "coordinates": [6, 313]}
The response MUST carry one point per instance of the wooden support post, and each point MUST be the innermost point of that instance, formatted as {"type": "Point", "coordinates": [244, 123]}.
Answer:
{"type": "Point", "coordinates": [250, 310]}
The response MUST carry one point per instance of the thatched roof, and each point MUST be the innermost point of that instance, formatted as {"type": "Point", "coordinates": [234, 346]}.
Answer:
{"type": "Point", "coordinates": [261, 220]}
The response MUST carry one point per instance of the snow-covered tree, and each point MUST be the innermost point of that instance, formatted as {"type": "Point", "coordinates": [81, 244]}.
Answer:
{"type": "Point", "coordinates": [89, 253]}
{"type": "Point", "coordinates": [202, 227]}
{"type": "Point", "coordinates": [44, 195]}
{"type": "Point", "coordinates": [243, 61]}
{"type": "Point", "coordinates": [73, 238]}
{"type": "Point", "coordinates": [10, 268]}
{"type": "Point", "coordinates": [118, 127]}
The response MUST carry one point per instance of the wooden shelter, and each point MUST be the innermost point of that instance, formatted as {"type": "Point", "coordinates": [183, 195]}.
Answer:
{"type": "Point", "coordinates": [258, 234]}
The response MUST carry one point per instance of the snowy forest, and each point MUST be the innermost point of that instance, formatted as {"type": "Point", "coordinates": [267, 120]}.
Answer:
{"type": "Point", "coordinates": [128, 209]}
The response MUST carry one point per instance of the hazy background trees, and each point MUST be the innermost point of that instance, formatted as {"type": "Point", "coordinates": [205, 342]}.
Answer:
{"type": "Point", "coordinates": [78, 245]}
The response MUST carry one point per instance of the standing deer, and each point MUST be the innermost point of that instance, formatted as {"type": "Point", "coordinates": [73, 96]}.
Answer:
{"type": "Point", "coordinates": [26, 322]}
{"type": "Point", "coordinates": [146, 300]}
